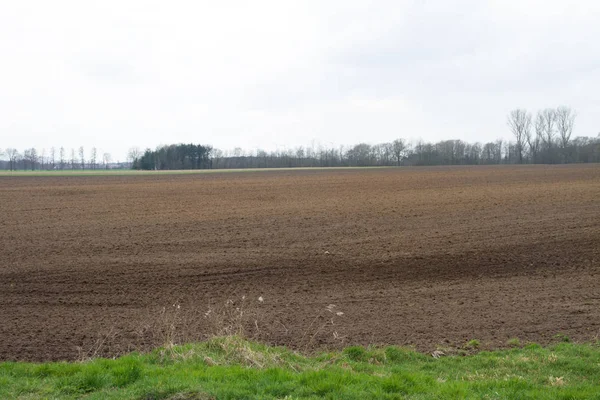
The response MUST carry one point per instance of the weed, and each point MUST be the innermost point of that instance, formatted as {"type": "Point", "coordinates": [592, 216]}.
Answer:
{"type": "Point", "coordinates": [96, 349]}
{"type": "Point", "coordinates": [472, 344]}
{"type": "Point", "coordinates": [561, 337]}
{"type": "Point", "coordinates": [326, 318]}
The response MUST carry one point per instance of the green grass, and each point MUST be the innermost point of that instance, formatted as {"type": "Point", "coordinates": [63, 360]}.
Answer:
{"type": "Point", "coordinates": [233, 368]}
{"type": "Point", "coordinates": [113, 172]}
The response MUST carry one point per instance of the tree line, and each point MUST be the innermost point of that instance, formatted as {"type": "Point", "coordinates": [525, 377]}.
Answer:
{"type": "Point", "coordinates": [421, 153]}
{"type": "Point", "coordinates": [545, 137]}
{"type": "Point", "coordinates": [31, 159]}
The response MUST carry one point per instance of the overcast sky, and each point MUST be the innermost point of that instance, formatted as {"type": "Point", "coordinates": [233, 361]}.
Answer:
{"type": "Point", "coordinates": [269, 74]}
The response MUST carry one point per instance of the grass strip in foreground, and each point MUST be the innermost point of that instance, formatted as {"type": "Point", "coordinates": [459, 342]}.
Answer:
{"type": "Point", "coordinates": [233, 368]}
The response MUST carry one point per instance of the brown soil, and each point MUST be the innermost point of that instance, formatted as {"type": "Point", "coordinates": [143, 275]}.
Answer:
{"type": "Point", "coordinates": [419, 256]}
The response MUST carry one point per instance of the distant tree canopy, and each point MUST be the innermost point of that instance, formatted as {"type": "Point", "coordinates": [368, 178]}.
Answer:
{"type": "Point", "coordinates": [400, 152]}
{"type": "Point", "coordinates": [175, 156]}
{"type": "Point", "coordinates": [34, 159]}
{"type": "Point", "coordinates": [535, 144]}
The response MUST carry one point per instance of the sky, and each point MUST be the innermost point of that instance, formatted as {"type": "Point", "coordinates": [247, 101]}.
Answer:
{"type": "Point", "coordinates": [278, 74]}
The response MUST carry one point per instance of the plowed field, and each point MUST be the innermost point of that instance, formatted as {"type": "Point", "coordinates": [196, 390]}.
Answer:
{"type": "Point", "coordinates": [419, 256]}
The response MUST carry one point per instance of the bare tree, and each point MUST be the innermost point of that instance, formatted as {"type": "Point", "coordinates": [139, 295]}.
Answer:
{"type": "Point", "coordinates": [34, 158]}
{"type": "Point", "coordinates": [536, 142]}
{"type": "Point", "coordinates": [134, 154]}
{"type": "Point", "coordinates": [62, 158]}
{"type": "Point", "coordinates": [498, 151]}
{"type": "Point", "coordinates": [73, 159]}
{"type": "Point", "coordinates": [30, 155]}
{"type": "Point", "coordinates": [82, 157]}
{"type": "Point", "coordinates": [26, 157]}
{"type": "Point", "coordinates": [299, 155]}
{"type": "Point", "coordinates": [398, 147]}
{"type": "Point", "coordinates": [519, 121]}
{"type": "Point", "coordinates": [565, 120]}
{"type": "Point", "coordinates": [43, 158]}
{"type": "Point", "coordinates": [13, 156]}
{"type": "Point", "coordinates": [106, 158]}
{"type": "Point", "coordinates": [52, 156]}
{"type": "Point", "coordinates": [217, 156]}
{"type": "Point", "coordinates": [388, 152]}
{"type": "Point", "coordinates": [549, 124]}
{"type": "Point", "coordinates": [93, 159]}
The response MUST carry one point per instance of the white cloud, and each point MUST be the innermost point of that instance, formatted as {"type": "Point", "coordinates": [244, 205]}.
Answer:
{"type": "Point", "coordinates": [264, 74]}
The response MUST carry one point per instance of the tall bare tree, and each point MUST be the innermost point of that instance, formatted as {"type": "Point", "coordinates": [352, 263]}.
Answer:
{"type": "Point", "coordinates": [43, 158]}
{"type": "Point", "coordinates": [52, 157]}
{"type": "Point", "coordinates": [13, 156]}
{"type": "Point", "coordinates": [73, 159]}
{"type": "Point", "coordinates": [62, 158]}
{"type": "Point", "coordinates": [498, 151]}
{"type": "Point", "coordinates": [134, 154]}
{"type": "Point", "coordinates": [106, 159]}
{"type": "Point", "coordinates": [519, 121]}
{"type": "Point", "coordinates": [398, 147]}
{"type": "Point", "coordinates": [534, 142]}
{"type": "Point", "coordinates": [26, 157]}
{"type": "Point", "coordinates": [565, 120]}
{"type": "Point", "coordinates": [549, 120]}
{"type": "Point", "coordinates": [31, 156]}
{"type": "Point", "coordinates": [93, 159]}
{"type": "Point", "coordinates": [82, 157]}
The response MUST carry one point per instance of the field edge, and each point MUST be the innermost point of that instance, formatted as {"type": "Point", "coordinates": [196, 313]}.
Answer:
{"type": "Point", "coordinates": [233, 367]}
